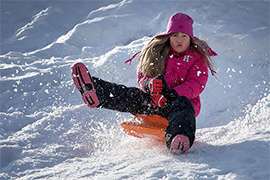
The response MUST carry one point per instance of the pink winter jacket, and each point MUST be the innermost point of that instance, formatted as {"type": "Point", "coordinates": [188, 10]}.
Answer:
{"type": "Point", "coordinates": [186, 73]}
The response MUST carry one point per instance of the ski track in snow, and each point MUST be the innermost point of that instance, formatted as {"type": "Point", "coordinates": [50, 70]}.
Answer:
{"type": "Point", "coordinates": [46, 131]}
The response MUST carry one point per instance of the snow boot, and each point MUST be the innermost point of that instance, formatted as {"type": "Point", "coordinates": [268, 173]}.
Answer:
{"type": "Point", "coordinates": [179, 144]}
{"type": "Point", "coordinates": [84, 83]}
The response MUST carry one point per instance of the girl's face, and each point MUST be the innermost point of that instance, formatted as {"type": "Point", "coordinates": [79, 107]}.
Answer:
{"type": "Point", "coordinates": [179, 41]}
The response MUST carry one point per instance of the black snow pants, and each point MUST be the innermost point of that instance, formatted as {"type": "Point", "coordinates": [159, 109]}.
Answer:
{"type": "Point", "coordinates": [179, 112]}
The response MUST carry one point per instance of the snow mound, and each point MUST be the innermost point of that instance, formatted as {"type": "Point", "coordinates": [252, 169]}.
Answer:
{"type": "Point", "coordinates": [46, 131]}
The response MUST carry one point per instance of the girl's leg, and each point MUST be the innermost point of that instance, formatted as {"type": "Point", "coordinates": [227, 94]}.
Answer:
{"type": "Point", "coordinates": [181, 121]}
{"type": "Point", "coordinates": [99, 93]}
{"type": "Point", "coordinates": [124, 99]}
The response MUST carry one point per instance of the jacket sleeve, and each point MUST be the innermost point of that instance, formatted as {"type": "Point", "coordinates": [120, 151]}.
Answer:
{"type": "Point", "coordinates": [195, 81]}
{"type": "Point", "coordinates": [142, 80]}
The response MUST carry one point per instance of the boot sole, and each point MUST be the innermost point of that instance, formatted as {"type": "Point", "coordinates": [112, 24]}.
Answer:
{"type": "Point", "coordinates": [83, 82]}
{"type": "Point", "coordinates": [180, 144]}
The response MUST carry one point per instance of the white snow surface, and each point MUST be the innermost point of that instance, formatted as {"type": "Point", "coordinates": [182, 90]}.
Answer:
{"type": "Point", "coordinates": [47, 132]}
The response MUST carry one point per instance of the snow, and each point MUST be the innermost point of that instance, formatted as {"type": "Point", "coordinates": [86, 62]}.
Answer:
{"type": "Point", "coordinates": [46, 131]}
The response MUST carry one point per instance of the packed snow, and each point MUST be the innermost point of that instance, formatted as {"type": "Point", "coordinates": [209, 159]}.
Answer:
{"type": "Point", "coordinates": [47, 132]}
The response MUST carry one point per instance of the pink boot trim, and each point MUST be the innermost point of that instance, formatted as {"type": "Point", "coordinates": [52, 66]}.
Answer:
{"type": "Point", "coordinates": [180, 144]}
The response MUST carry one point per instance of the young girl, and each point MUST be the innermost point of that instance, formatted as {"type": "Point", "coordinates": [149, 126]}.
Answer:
{"type": "Point", "coordinates": [172, 73]}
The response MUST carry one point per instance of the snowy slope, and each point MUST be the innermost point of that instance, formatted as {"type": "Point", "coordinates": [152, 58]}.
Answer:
{"type": "Point", "coordinates": [46, 131]}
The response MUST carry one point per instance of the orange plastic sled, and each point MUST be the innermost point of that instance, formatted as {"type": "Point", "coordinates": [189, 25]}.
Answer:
{"type": "Point", "coordinates": [146, 126]}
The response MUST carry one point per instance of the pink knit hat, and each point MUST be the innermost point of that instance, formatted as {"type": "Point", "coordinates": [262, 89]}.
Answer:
{"type": "Point", "coordinates": [179, 22]}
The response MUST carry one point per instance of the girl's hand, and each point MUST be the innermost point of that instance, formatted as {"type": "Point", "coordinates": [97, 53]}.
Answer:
{"type": "Point", "coordinates": [158, 100]}
{"type": "Point", "coordinates": [155, 85]}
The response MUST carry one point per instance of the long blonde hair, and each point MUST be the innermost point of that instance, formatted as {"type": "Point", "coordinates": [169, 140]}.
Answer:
{"type": "Point", "coordinates": [202, 47]}
{"type": "Point", "coordinates": [153, 56]}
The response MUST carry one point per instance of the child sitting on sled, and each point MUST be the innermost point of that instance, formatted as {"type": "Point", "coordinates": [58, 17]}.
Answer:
{"type": "Point", "coordinates": [172, 73]}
